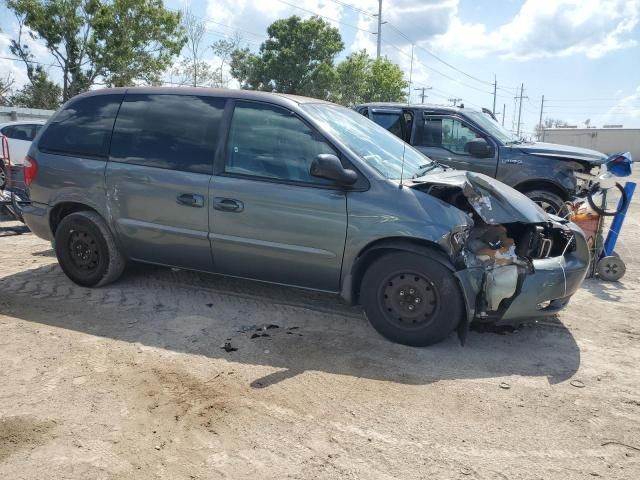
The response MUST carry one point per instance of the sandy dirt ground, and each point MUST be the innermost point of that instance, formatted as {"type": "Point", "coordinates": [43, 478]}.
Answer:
{"type": "Point", "coordinates": [130, 382]}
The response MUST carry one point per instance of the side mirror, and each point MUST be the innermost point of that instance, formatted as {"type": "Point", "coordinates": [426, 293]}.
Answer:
{"type": "Point", "coordinates": [478, 147]}
{"type": "Point", "coordinates": [329, 166]}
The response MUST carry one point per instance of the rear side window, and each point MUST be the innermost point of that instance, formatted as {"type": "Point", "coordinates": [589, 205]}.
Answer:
{"type": "Point", "coordinates": [83, 128]}
{"type": "Point", "coordinates": [389, 120]}
{"type": "Point", "coordinates": [25, 132]}
{"type": "Point", "coordinates": [177, 132]}
{"type": "Point", "coordinates": [449, 133]}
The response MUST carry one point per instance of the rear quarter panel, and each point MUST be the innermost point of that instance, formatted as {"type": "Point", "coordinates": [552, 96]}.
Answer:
{"type": "Point", "coordinates": [63, 178]}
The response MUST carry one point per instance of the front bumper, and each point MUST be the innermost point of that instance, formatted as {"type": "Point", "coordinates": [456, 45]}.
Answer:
{"type": "Point", "coordinates": [555, 280]}
{"type": "Point", "coordinates": [541, 293]}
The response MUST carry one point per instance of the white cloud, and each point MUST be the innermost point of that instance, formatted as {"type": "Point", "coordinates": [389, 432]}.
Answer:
{"type": "Point", "coordinates": [256, 15]}
{"type": "Point", "coordinates": [544, 28]}
{"type": "Point", "coordinates": [626, 110]}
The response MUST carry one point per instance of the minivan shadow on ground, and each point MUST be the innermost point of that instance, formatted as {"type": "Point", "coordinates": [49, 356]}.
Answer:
{"type": "Point", "coordinates": [197, 313]}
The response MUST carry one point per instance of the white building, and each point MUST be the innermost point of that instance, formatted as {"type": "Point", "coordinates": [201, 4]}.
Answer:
{"type": "Point", "coordinates": [606, 140]}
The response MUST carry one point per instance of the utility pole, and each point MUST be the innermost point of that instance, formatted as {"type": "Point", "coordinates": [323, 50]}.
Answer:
{"type": "Point", "coordinates": [379, 28]}
{"type": "Point", "coordinates": [495, 87]}
{"type": "Point", "coordinates": [423, 95]}
{"type": "Point", "coordinates": [540, 127]}
{"type": "Point", "coordinates": [521, 97]}
{"type": "Point", "coordinates": [504, 110]}
{"type": "Point", "coordinates": [454, 101]}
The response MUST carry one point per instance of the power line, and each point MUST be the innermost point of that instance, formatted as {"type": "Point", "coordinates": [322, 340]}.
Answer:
{"type": "Point", "coordinates": [325, 17]}
{"type": "Point", "coordinates": [353, 7]}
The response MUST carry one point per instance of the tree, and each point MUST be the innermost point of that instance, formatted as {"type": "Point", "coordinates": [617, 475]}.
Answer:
{"type": "Point", "coordinates": [196, 74]}
{"type": "Point", "coordinates": [192, 69]}
{"type": "Point", "coordinates": [362, 79]}
{"type": "Point", "coordinates": [6, 87]}
{"type": "Point", "coordinates": [223, 50]}
{"type": "Point", "coordinates": [386, 82]}
{"type": "Point", "coordinates": [40, 92]}
{"type": "Point", "coordinates": [115, 42]}
{"type": "Point", "coordinates": [353, 73]}
{"type": "Point", "coordinates": [297, 57]}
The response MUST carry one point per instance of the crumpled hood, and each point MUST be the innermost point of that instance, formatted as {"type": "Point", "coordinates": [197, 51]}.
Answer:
{"type": "Point", "coordinates": [495, 202]}
{"type": "Point", "coordinates": [564, 152]}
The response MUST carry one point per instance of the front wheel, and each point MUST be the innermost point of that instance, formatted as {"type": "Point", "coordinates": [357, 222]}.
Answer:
{"type": "Point", "coordinates": [411, 299]}
{"type": "Point", "coordinates": [550, 202]}
{"type": "Point", "coordinates": [86, 250]}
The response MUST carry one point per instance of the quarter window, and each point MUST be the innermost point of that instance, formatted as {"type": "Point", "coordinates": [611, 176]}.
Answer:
{"type": "Point", "coordinates": [177, 132]}
{"type": "Point", "coordinates": [25, 132]}
{"type": "Point", "coordinates": [270, 142]}
{"type": "Point", "coordinates": [83, 127]}
{"type": "Point", "coordinates": [449, 133]}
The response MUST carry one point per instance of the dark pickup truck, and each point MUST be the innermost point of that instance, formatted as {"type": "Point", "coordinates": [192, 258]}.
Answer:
{"type": "Point", "coordinates": [468, 139]}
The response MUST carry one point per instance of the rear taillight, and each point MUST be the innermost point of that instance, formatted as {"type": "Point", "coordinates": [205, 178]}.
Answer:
{"type": "Point", "coordinates": [30, 170]}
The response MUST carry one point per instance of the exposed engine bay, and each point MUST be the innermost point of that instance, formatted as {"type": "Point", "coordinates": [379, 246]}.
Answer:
{"type": "Point", "coordinates": [502, 251]}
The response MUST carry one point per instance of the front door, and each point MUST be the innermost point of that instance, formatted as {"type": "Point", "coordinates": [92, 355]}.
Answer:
{"type": "Point", "coordinates": [158, 176]}
{"type": "Point", "coordinates": [271, 220]}
{"type": "Point", "coordinates": [444, 139]}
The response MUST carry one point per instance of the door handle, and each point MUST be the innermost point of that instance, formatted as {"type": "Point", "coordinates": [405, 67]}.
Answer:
{"type": "Point", "coordinates": [228, 204]}
{"type": "Point", "coordinates": [191, 200]}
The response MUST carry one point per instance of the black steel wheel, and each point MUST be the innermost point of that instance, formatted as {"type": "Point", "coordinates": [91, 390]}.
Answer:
{"type": "Point", "coordinates": [86, 250]}
{"type": "Point", "coordinates": [411, 299]}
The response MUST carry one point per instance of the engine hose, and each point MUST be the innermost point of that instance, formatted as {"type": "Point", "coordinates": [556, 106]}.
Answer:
{"type": "Point", "coordinates": [622, 205]}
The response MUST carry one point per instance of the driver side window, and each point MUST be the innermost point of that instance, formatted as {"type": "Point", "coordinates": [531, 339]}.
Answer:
{"type": "Point", "coordinates": [448, 133]}
{"type": "Point", "coordinates": [268, 141]}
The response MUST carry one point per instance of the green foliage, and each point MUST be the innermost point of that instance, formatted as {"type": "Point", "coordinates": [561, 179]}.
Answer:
{"type": "Point", "coordinates": [386, 82]}
{"type": "Point", "coordinates": [39, 93]}
{"type": "Point", "coordinates": [353, 79]}
{"type": "Point", "coordinates": [115, 42]}
{"type": "Point", "coordinates": [362, 79]}
{"type": "Point", "coordinates": [296, 58]}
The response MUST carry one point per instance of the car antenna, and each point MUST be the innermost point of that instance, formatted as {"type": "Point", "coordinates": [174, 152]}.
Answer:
{"type": "Point", "coordinates": [404, 145]}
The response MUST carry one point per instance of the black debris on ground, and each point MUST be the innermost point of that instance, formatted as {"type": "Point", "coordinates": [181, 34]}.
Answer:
{"type": "Point", "coordinates": [228, 347]}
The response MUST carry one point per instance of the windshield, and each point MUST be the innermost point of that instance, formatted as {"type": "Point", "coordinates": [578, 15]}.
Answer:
{"type": "Point", "coordinates": [494, 128]}
{"type": "Point", "coordinates": [375, 145]}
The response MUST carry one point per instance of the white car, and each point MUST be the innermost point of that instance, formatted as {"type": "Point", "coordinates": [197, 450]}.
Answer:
{"type": "Point", "coordinates": [19, 136]}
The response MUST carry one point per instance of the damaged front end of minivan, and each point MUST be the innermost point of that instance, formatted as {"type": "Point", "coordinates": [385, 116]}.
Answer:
{"type": "Point", "coordinates": [516, 262]}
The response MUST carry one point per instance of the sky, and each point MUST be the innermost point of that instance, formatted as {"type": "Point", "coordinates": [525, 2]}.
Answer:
{"type": "Point", "coordinates": [582, 55]}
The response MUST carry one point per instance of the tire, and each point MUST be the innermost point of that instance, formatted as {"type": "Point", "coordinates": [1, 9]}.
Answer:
{"type": "Point", "coordinates": [611, 269]}
{"type": "Point", "coordinates": [550, 202]}
{"type": "Point", "coordinates": [3, 176]}
{"type": "Point", "coordinates": [386, 295]}
{"type": "Point", "coordinates": [624, 201]}
{"type": "Point", "coordinates": [86, 250]}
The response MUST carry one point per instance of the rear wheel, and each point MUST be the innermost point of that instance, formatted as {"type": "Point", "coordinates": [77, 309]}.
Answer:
{"type": "Point", "coordinates": [3, 176]}
{"type": "Point", "coordinates": [86, 250]}
{"type": "Point", "coordinates": [411, 299]}
{"type": "Point", "coordinates": [550, 202]}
